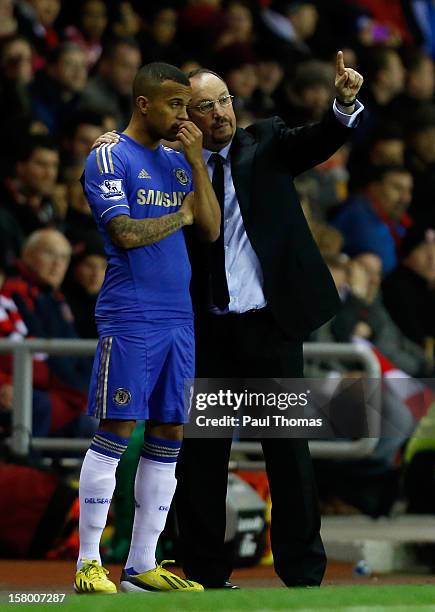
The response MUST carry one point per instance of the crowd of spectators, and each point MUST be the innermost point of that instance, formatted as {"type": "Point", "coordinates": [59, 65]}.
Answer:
{"type": "Point", "coordinates": [66, 70]}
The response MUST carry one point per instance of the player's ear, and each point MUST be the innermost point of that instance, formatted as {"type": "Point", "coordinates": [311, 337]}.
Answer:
{"type": "Point", "coordinates": [142, 103]}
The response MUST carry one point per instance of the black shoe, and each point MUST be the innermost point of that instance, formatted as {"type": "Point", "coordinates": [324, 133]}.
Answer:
{"type": "Point", "coordinates": [225, 585]}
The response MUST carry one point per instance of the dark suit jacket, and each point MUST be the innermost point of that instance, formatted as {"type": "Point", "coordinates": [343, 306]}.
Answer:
{"type": "Point", "coordinates": [264, 159]}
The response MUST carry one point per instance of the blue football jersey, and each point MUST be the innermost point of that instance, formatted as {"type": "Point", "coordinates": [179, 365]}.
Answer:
{"type": "Point", "coordinates": [148, 284]}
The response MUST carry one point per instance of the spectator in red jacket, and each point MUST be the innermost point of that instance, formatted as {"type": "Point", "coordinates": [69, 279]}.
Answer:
{"type": "Point", "coordinates": [88, 32]}
{"type": "Point", "coordinates": [34, 289]}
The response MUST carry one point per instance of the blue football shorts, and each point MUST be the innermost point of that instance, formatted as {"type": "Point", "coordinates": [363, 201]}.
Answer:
{"type": "Point", "coordinates": [142, 377]}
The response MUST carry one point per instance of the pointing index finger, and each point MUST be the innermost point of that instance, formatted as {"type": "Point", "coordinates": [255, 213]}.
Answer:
{"type": "Point", "coordinates": [340, 63]}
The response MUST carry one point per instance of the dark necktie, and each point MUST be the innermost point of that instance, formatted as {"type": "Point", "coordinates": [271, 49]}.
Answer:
{"type": "Point", "coordinates": [219, 288]}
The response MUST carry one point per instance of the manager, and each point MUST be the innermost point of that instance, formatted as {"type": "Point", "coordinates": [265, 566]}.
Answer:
{"type": "Point", "coordinates": [258, 291]}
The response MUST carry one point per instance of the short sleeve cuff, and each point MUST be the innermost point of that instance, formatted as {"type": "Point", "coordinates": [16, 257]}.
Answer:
{"type": "Point", "coordinates": [114, 211]}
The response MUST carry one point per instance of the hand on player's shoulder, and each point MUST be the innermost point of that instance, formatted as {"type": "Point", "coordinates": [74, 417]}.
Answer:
{"type": "Point", "coordinates": [106, 138]}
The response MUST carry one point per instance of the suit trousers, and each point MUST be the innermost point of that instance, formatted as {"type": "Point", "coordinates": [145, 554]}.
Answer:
{"type": "Point", "coordinates": [248, 345]}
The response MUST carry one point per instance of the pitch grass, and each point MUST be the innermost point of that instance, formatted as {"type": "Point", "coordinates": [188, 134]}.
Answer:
{"type": "Point", "coordinates": [398, 598]}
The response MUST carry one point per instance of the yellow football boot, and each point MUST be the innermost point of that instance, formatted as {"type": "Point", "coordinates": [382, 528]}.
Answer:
{"type": "Point", "coordinates": [92, 578]}
{"type": "Point", "coordinates": [157, 579]}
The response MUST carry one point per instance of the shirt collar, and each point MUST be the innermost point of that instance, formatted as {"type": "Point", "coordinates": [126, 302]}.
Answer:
{"type": "Point", "coordinates": [206, 153]}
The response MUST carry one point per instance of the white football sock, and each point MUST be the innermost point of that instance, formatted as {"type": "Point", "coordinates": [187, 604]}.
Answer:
{"type": "Point", "coordinates": [154, 489]}
{"type": "Point", "coordinates": [97, 483]}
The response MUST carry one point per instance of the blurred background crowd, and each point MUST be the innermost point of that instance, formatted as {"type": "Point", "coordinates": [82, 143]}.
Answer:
{"type": "Point", "coordinates": [66, 70]}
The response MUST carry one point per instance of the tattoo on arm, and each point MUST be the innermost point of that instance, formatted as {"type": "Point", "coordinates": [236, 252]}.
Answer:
{"type": "Point", "coordinates": [129, 233]}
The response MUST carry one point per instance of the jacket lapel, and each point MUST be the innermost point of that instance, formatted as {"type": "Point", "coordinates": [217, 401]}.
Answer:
{"type": "Point", "coordinates": [242, 157]}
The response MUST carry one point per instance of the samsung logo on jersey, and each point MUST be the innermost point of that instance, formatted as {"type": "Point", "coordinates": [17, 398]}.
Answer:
{"type": "Point", "coordinates": [153, 197]}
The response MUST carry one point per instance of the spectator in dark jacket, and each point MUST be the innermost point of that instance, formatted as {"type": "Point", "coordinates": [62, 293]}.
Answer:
{"type": "Point", "coordinates": [286, 26]}
{"type": "Point", "coordinates": [27, 197]}
{"type": "Point", "coordinates": [79, 223]}
{"type": "Point", "coordinates": [16, 74]}
{"type": "Point", "coordinates": [409, 291]}
{"type": "Point", "coordinates": [306, 97]}
{"type": "Point", "coordinates": [83, 283]}
{"type": "Point", "coordinates": [364, 317]}
{"type": "Point", "coordinates": [110, 88]}
{"type": "Point", "coordinates": [157, 42]}
{"type": "Point", "coordinates": [421, 162]}
{"type": "Point", "coordinates": [81, 130]}
{"type": "Point", "coordinates": [57, 89]}
{"type": "Point", "coordinates": [419, 86]}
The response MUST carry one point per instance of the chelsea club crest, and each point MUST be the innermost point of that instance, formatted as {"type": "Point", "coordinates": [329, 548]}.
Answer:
{"type": "Point", "coordinates": [122, 397]}
{"type": "Point", "coordinates": [181, 176]}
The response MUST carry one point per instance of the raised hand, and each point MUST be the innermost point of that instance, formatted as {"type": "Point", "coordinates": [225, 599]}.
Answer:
{"type": "Point", "coordinates": [191, 138]}
{"type": "Point", "coordinates": [347, 80]}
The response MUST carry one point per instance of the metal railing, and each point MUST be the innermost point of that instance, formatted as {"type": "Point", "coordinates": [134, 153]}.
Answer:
{"type": "Point", "coordinates": [21, 439]}
{"type": "Point", "coordinates": [22, 352]}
